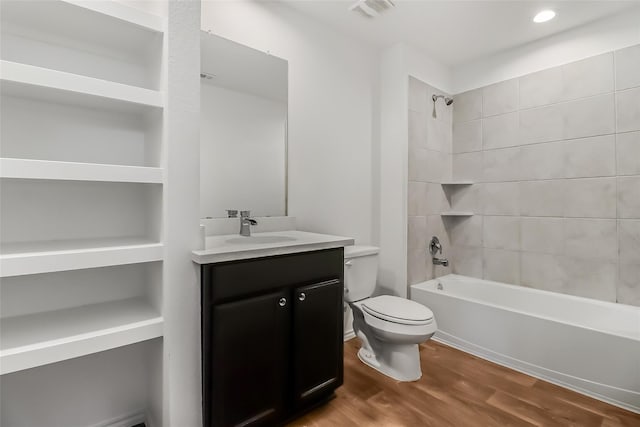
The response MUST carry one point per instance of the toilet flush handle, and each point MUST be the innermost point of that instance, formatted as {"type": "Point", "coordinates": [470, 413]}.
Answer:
{"type": "Point", "coordinates": [348, 263]}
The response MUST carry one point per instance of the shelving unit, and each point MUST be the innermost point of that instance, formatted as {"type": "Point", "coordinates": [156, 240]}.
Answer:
{"type": "Point", "coordinates": [39, 339]}
{"type": "Point", "coordinates": [72, 171]}
{"type": "Point", "coordinates": [28, 81]}
{"type": "Point", "coordinates": [106, 10]}
{"type": "Point", "coordinates": [456, 214]}
{"type": "Point", "coordinates": [20, 259]}
{"type": "Point", "coordinates": [83, 186]}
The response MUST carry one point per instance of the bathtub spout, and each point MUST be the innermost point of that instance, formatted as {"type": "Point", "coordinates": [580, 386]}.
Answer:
{"type": "Point", "coordinates": [440, 261]}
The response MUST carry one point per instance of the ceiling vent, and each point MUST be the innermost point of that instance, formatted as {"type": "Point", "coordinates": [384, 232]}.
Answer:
{"type": "Point", "coordinates": [371, 8]}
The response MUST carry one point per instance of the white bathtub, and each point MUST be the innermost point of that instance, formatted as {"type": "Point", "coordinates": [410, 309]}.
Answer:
{"type": "Point", "coordinates": [586, 345]}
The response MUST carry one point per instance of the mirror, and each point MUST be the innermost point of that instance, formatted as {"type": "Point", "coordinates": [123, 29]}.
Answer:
{"type": "Point", "coordinates": [243, 130]}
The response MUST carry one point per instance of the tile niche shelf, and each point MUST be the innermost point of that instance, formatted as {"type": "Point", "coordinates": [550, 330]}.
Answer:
{"type": "Point", "coordinates": [41, 338]}
{"type": "Point", "coordinates": [456, 214]}
{"type": "Point", "coordinates": [461, 182]}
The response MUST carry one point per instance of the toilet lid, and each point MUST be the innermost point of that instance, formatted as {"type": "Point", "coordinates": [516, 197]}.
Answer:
{"type": "Point", "coordinates": [398, 310]}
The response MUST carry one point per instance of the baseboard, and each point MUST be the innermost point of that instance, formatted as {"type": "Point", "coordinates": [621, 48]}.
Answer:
{"type": "Point", "coordinates": [125, 420]}
{"type": "Point", "coordinates": [349, 335]}
{"type": "Point", "coordinates": [539, 372]}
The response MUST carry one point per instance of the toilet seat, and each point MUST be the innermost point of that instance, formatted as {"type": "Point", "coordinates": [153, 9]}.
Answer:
{"type": "Point", "coordinates": [397, 310]}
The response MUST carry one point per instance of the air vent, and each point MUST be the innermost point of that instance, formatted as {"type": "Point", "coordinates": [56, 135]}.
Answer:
{"type": "Point", "coordinates": [371, 8]}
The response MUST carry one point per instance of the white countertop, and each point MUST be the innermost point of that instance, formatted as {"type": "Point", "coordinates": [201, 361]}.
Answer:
{"type": "Point", "coordinates": [235, 247]}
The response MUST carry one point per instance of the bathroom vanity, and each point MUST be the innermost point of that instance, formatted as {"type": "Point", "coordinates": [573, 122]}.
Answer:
{"type": "Point", "coordinates": [272, 325]}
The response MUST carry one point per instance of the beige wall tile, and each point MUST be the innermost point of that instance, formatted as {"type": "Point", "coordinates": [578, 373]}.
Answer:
{"type": "Point", "coordinates": [467, 136]}
{"type": "Point", "coordinates": [628, 110]}
{"type": "Point", "coordinates": [588, 77]}
{"type": "Point", "coordinates": [501, 232]}
{"type": "Point", "coordinates": [501, 165]}
{"type": "Point", "coordinates": [627, 66]}
{"type": "Point", "coordinates": [417, 129]}
{"type": "Point", "coordinates": [589, 116]}
{"type": "Point", "coordinates": [418, 198]}
{"type": "Point", "coordinates": [541, 271]}
{"type": "Point", "coordinates": [500, 98]}
{"type": "Point", "coordinates": [542, 235]}
{"type": "Point", "coordinates": [418, 95]}
{"type": "Point", "coordinates": [467, 261]}
{"type": "Point", "coordinates": [590, 157]}
{"type": "Point", "coordinates": [467, 106]}
{"type": "Point", "coordinates": [542, 161]}
{"type": "Point", "coordinates": [590, 198]}
{"type": "Point", "coordinates": [591, 238]}
{"type": "Point", "coordinates": [468, 166]}
{"type": "Point", "coordinates": [501, 198]}
{"type": "Point", "coordinates": [501, 266]}
{"type": "Point", "coordinates": [628, 153]}
{"type": "Point", "coordinates": [586, 278]}
{"type": "Point", "coordinates": [465, 231]}
{"type": "Point", "coordinates": [542, 198]}
{"type": "Point", "coordinates": [541, 88]}
{"type": "Point", "coordinates": [629, 197]}
{"type": "Point", "coordinates": [541, 124]}
{"type": "Point", "coordinates": [500, 131]}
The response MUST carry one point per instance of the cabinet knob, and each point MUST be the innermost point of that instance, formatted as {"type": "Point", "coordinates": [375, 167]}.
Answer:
{"type": "Point", "coordinates": [302, 296]}
{"type": "Point", "coordinates": [282, 302]}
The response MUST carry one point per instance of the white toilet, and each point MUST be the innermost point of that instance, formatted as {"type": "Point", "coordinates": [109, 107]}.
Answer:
{"type": "Point", "coordinates": [389, 327]}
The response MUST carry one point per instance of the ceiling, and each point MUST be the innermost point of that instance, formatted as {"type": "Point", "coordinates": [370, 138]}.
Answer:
{"type": "Point", "coordinates": [455, 32]}
{"type": "Point", "coordinates": [240, 68]}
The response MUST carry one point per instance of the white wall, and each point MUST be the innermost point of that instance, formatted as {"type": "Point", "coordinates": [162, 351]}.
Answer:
{"type": "Point", "coordinates": [182, 380]}
{"type": "Point", "coordinates": [242, 153]}
{"type": "Point", "coordinates": [332, 84]}
{"type": "Point", "coordinates": [428, 70]}
{"type": "Point", "coordinates": [397, 63]}
{"type": "Point", "coordinates": [392, 277]}
{"type": "Point", "coordinates": [589, 40]}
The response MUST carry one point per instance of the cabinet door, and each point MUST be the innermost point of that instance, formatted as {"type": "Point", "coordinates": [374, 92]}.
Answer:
{"type": "Point", "coordinates": [249, 361]}
{"type": "Point", "coordinates": [317, 340]}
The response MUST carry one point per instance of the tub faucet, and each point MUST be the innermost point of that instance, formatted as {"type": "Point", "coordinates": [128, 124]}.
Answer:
{"type": "Point", "coordinates": [434, 248]}
{"type": "Point", "coordinates": [440, 261]}
{"type": "Point", "coordinates": [245, 223]}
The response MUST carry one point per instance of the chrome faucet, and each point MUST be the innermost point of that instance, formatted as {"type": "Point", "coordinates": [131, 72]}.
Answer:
{"type": "Point", "coordinates": [245, 223]}
{"type": "Point", "coordinates": [434, 248]}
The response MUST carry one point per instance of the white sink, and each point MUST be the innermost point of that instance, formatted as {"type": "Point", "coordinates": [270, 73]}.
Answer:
{"type": "Point", "coordinates": [259, 240]}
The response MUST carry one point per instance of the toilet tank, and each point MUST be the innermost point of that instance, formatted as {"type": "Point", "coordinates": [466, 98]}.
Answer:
{"type": "Point", "coordinates": [360, 272]}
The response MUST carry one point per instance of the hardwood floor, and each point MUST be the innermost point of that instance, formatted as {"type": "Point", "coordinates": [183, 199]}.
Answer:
{"type": "Point", "coordinates": [457, 389]}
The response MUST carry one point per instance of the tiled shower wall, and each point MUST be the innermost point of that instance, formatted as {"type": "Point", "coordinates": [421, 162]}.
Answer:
{"type": "Point", "coordinates": [556, 160]}
{"type": "Point", "coordinates": [429, 164]}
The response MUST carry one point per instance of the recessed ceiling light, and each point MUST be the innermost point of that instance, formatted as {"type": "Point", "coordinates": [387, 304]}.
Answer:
{"type": "Point", "coordinates": [544, 16]}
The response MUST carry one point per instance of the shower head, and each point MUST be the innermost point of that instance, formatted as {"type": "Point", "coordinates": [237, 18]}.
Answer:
{"type": "Point", "coordinates": [447, 101]}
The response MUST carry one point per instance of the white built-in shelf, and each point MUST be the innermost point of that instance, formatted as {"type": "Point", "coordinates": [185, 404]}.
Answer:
{"type": "Point", "coordinates": [42, 338]}
{"type": "Point", "coordinates": [462, 182]}
{"type": "Point", "coordinates": [17, 259]}
{"type": "Point", "coordinates": [456, 213]}
{"type": "Point", "coordinates": [104, 23]}
{"type": "Point", "coordinates": [105, 10]}
{"type": "Point", "coordinates": [28, 81]}
{"type": "Point", "coordinates": [71, 171]}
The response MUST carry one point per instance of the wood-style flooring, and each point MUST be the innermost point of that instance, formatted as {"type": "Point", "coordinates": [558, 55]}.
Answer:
{"type": "Point", "coordinates": [457, 389]}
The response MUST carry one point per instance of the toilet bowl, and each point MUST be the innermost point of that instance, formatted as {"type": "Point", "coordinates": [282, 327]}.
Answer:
{"type": "Point", "coordinates": [389, 327]}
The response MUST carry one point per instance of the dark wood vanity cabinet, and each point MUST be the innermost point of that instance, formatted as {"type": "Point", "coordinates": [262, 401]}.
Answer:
{"type": "Point", "coordinates": [272, 337]}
